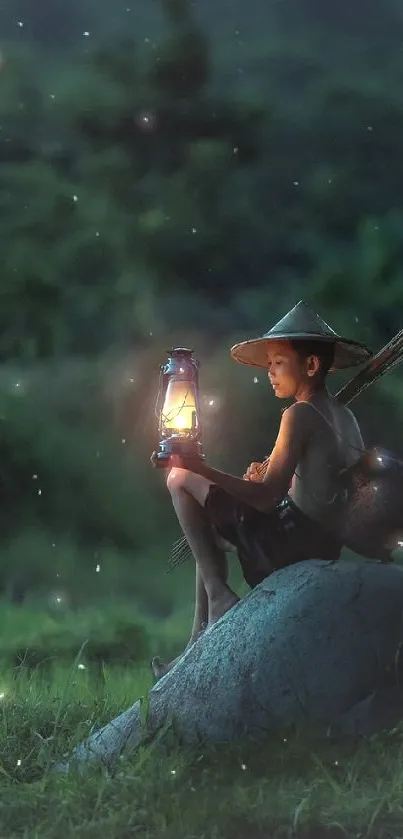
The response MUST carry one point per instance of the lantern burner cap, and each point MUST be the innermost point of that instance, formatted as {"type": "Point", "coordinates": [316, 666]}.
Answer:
{"type": "Point", "coordinates": [180, 351]}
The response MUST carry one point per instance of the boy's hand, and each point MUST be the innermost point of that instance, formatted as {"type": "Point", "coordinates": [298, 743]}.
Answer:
{"type": "Point", "coordinates": [192, 464]}
{"type": "Point", "coordinates": [254, 472]}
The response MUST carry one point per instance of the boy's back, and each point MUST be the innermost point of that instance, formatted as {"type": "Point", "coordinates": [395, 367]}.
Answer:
{"type": "Point", "coordinates": [334, 443]}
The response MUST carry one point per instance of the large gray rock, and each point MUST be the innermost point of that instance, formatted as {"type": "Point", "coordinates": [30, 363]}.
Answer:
{"type": "Point", "coordinates": [311, 644]}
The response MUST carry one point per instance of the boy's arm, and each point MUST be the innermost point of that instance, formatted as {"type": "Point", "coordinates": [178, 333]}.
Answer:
{"type": "Point", "coordinates": [294, 433]}
{"type": "Point", "coordinates": [292, 438]}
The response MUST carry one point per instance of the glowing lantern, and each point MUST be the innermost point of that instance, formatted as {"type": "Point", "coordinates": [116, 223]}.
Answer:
{"type": "Point", "coordinates": [178, 408]}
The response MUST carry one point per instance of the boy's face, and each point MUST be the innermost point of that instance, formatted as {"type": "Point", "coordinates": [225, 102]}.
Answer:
{"type": "Point", "coordinates": [288, 373]}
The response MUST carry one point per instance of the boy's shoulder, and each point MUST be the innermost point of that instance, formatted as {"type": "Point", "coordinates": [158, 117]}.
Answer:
{"type": "Point", "coordinates": [296, 421]}
{"type": "Point", "coordinates": [303, 417]}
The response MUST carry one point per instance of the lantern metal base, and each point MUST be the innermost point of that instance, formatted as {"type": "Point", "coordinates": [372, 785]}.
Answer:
{"type": "Point", "coordinates": [182, 447]}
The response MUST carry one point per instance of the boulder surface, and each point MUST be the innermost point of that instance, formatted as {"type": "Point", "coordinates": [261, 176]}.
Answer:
{"type": "Point", "coordinates": [310, 644]}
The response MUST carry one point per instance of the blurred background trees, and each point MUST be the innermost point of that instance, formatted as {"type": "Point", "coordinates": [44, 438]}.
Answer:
{"type": "Point", "coordinates": [171, 177]}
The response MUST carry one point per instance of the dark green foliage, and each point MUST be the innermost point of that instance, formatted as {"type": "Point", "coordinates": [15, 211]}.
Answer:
{"type": "Point", "coordinates": [171, 181]}
{"type": "Point", "coordinates": [122, 644]}
{"type": "Point", "coordinates": [52, 24]}
{"type": "Point", "coordinates": [366, 19]}
{"type": "Point", "coordinates": [140, 178]}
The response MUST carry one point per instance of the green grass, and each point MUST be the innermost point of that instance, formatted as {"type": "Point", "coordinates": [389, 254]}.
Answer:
{"type": "Point", "coordinates": [290, 783]}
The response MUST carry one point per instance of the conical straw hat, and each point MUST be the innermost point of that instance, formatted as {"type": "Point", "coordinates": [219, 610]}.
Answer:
{"type": "Point", "coordinates": [302, 323]}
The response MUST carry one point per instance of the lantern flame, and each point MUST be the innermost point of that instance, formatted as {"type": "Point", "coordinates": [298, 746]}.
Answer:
{"type": "Point", "coordinates": [180, 422]}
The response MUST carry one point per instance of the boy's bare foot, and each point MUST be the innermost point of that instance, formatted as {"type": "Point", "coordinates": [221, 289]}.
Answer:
{"type": "Point", "coordinates": [161, 668]}
{"type": "Point", "coordinates": [220, 605]}
{"type": "Point", "coordinates": [217, 608]}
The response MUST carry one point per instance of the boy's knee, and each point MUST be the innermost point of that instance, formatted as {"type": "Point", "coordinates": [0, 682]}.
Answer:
{"type": "Point", "coordinates": [193, 484]}
{"type": "Point", "coordinates": [176, 479]}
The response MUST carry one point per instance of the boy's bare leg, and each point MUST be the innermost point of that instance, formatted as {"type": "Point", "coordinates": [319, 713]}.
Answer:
{"type": "Point", "coordinates": [201, 616]}
{"type": "Point", "coordinates": [200, 619]}
{"type": "Point", "coordinates": [188, 492]}
{"type": "Point", "coordinates": [213, 595]}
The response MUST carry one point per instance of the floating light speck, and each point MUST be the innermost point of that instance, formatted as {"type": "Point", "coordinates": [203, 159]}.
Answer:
{"type": "Point", "coordinates": [235, 150]}
{"type": "Point", "coordinates": [39, 492]}
{"type": "Point", "coordinates": [20, 24]}
{"type": "Point", "coordinates": [370, 128]}
{"type": "Point", "coordinates": [58, 599]}
{"type": "Point", "coordinates": [51, 96]}
{"type": "Point", "coordinates": [296, 183]}
{"type": "Point", "coordinates": [35, 477]}
{"type": "Point", "coordinates": [211, 402]}
{"type": "Point", "coordinates": [173, 771]}
{"type": "Point", "coordinates": [98, 568]}
{"type": "Point", "coordinates": [86, 34]}
{"type": "Point", "coordinates": [147, 120]}
{"type": "Point", "coordinates": [19, 762]}
{"type": "Point", "coordinates": [123, 441]}
{"type": "Point", "coordinates": [194, 229]}
{"type": "Point", "coordinates": [243, 766]}
{"type": "Point", "coordinates": [2, 695]}
{"type": "Point", "coordinates": [75, 198]}
{"type": "Point", "coordinates": [81, 667]}
{"type": "Point", "coordinates": [255, 380]}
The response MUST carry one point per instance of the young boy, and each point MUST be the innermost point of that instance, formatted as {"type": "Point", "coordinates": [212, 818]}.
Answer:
{"type": "Point", "coordinates": [288, 511]}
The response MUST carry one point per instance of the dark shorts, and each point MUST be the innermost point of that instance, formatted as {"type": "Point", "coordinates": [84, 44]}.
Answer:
{"type": "Point", "coordinates": [268, 541]}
